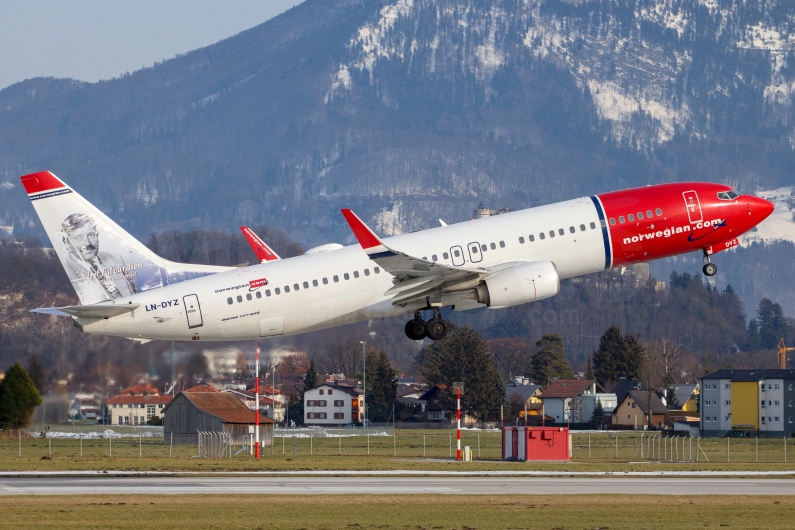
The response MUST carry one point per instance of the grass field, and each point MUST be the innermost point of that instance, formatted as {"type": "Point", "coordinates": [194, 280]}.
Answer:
{"type": "Point", "coordinates": [397, 512]}
{"type": "Point", "coordinates": [407, 449]}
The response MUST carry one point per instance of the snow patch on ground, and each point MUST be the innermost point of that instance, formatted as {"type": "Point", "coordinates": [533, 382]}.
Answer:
{"type": "Point", "coordinates": [389, 222]}
{"type": "Point", "coordinates": [341, 81]}
{"type": "Point", "coordinates": [373, 38]}
{"type": "Point", "coordinates": [780, 226]}
{"type": "Point", "coordinates": [107, 433]}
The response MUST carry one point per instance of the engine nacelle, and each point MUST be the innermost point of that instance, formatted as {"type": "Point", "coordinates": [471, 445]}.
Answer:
{"type": "Point", "coordinates": [521, 284]}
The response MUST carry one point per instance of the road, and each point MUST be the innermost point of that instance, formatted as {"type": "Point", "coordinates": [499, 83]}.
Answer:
{"type": "Point", "coordinates": [392, 485]}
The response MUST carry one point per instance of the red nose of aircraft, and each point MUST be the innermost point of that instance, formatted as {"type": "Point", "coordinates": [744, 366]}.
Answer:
{"type": "Point", "coordinates": [758, 208]}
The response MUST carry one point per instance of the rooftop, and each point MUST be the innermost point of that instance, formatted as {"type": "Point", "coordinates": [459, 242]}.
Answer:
{"type": "Point", "coordinates": [224, 406]}
{"type": "Point", "coordinates": [568, 388]}
{"type": "Point", "coordinates": [751, 375]}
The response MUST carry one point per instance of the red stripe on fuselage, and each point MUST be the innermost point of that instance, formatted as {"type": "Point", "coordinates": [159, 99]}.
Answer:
{"type": "Point", "coordinates": [680, 226]}
{"type": "Point", "coordinates": [39, 182]}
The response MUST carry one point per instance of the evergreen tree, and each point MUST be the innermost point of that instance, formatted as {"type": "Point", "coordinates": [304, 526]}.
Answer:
{"type": "Point", "coordinates": [589, 373]}
{"type": "Point", "coordinates": [772, 324]}
{"type": "Point", "coordinates": [618, 356]}
{"type": "Point", "coordinates": [295, 409]}
{"type": "Point", "coordinates": [754, 342]}
{"type": "Point", "coordinates": [198, 365]}
{"type": "Point", "coordinates": [18, 398]}
{"type": "Point", "coordinates": [310, 379]}
{"type": "Point", "coordinates": [381, 386]}
{"type": "Point", "coordinates": [36, 373]}
{"type": "Point", "coordinates": [550, 361]}
{"type": "Point", "coordinates": [464, 356]}
{"type": "Point", "coordinates": [598, 415]}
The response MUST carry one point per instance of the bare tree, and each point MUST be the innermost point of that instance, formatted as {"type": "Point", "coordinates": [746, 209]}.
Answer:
{"type": "Point", "coordinates": [651, 375]}
{"type": "Point", "coordinates": [511, 357]}
{"type": "Point", "coordinates": [670, 356]}
{"type": "Point", "coordinates": [342, 356]}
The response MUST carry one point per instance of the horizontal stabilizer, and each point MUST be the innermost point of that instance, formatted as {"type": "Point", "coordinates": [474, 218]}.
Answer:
{"type": "Point", "coordinates": [88, 311]}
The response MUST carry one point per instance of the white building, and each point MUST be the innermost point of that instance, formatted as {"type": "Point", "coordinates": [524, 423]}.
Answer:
{"type": "Point", "coordinates": [331, 405]}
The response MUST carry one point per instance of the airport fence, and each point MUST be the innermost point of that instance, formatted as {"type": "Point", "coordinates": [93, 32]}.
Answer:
{"type": "Point", "coordinates": [587, 446]}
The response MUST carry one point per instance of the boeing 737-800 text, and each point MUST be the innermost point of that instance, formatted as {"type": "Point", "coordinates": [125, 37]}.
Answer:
{"type": "Point", "coordinates": [128, 291]}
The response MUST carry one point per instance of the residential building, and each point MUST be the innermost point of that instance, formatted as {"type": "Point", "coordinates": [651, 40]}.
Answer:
{"type": "Point", "coordinates": [435, 409]}
{"type": "Point", "coordinates": [574, 400]}
{"type": "Point", "coordinates": [685, 398]}
{"type": "Point", "coordinates": [333, 405]}
{"type": "Point", "coordinates": [267, 406]}
{"type": "Point", "coordinates": [136, 405]}
{"type": "Point", "coordinates": [748, 403]}
{"type": "Point", "coordinates": [191, 412]}
{"type": "Point", "coordinates": [634, 409]}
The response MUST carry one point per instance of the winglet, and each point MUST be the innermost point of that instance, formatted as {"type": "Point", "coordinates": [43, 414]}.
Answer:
{"type": "Point", "coordinates": [263, 251]}
{"type": "Point", "coordinates": [370, 242]}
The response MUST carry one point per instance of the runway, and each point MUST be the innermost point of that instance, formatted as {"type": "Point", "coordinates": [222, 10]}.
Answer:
{"type": "Point", "coordinates": [392, 485]}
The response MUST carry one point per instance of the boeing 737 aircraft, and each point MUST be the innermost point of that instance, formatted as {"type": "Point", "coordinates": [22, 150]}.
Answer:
{"type": "Point", "coordinates": [515, 258]}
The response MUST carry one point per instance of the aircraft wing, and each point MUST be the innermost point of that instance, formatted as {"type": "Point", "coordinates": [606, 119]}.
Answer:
{"type": "Point", "coordinates": [414, 278]}
{"type": "Point", "coordinates": [88, 311]}
{"type": "Point", "coordinates": [263, 251]}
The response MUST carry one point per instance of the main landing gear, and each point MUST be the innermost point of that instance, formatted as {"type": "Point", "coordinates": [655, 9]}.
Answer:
{"type": "Point", "coordinates": [434, 329]}
{"type": "Point", "coordinates": [709, 268]}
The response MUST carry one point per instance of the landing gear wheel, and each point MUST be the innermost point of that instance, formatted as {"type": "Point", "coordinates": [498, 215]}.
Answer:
{"type": "Point", "coordinates": [710, 269]}
{"type": "Point", "coordinates": [415, 329]}
{"type": "Point", "coordinates": [436, 329]}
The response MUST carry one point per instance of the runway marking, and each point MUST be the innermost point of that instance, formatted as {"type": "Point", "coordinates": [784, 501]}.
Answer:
{"type": "Point", "coordinates": [402, 472]}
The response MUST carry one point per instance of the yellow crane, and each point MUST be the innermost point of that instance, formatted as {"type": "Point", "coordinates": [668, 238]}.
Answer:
{"type": "Point", "coordinates": [782, 354]}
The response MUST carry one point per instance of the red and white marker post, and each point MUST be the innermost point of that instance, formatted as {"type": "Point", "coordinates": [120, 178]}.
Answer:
{"type": "Point", "coordinates": [256, 401]}
{"type": "Point", "coordinates": [458, 387]}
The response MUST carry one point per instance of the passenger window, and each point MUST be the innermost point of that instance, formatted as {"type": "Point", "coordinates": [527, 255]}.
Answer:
{"type": "Point", "coordinates": [248, 297]}
{"type": "Point", "coordinates": [278, 291]}
{"type": "Point", "coordinates": [314, 283]}
{"type": "Point", "coordinates": [648, 214]}
{"type": "Point", "coordinates": [306, 285]}
{"type": "Point", "coordinates": [286, 288]}
{"type": "Point", "coordinates": [493, 246]}
{"type": "Point", "coordinates": [474, 249]}
{"type": "Point", "coordinates": [295, 286]}
{"type": "Point", "coordinates": [456, 253]}
{"type": "Point", "coordinates": [572, 229]}
{"type": "Point", "coordinates": [424, 258]}
{"type": "Point", "coordinates": [531, 237]}
{"type": "Point", "coordinates": [658, 211]}
{"type": "Point", "coordinates": [377, 270]}
{"type": "Point", "coordinates": [336, 278]}
{"type": "Point", "coordinates": [346, 276]}
{"type": "Point", "coordinates": [640, 216]}
{"type": "Point", "coordinates": [521, 240]}
{"type": "Point", "coordinates": [541, 235]}
{"type": "Point", "coordinates": [593, 226]}
{"type": "Point", "coordinates": [582, 228]}
{"type": "Point", "coordinates": [551, 233]}
{"type": "Point", "coordinates": [367, 272]}
{"type": "Point", "coordinates": [259, 294]}
{"type": "Point", "coordinates": [484, 248]}
{"type": "Point", "coordinates": [229, 300]}
{"type": "Point", "coordinates": [435, 257]}
{"type": "Point", "coordinates": [630, 218]}
{"type": "Point", "coordinates": [612, 221]}
{"type": "Point", "coordinates": [561, 231]}
{"type": "Point", "coordinates": [445, 255]}
{"type": "Point", "coordinates": [239, 298]}
{"type": "Point", "coordinates": [325, 281]}
{"type": "Point", "coordinates": [267, 292]}
{"type": "Point", "coordinates": [502, 244]}
{"type": "Point", "coordinates": [621, 219]}
{"type": "Point", "coordinates": [355, 274]}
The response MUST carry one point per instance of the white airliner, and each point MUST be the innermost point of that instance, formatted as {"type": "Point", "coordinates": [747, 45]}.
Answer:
{"type": "Point", "coordinates": [128, 291]}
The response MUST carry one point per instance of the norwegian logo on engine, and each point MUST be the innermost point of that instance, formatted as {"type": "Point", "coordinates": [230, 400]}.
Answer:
{"type": "Point", "coordinates": [253, 285]}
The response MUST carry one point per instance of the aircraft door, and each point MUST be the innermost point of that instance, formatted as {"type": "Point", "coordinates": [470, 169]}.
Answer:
{"type": "Point", "coordinates": [474, 252]}
{"type": "Point", "coordinates": [457, 255]}
{"type": "Point", "coordinates": [693, 206]}
{"type": "Point", "coordinates": [192, 310]}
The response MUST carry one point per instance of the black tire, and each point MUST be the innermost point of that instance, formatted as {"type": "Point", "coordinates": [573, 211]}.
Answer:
{"type": "Point", "coordinates": [415, 329]}
{"type": "Point", "coordinates": [710, 269]}
{"type": "Point", "coordinates": [436, 329]}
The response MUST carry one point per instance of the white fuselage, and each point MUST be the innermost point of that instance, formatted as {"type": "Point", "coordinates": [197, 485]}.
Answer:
{"type": "Point", "coordinates": [162, 312]}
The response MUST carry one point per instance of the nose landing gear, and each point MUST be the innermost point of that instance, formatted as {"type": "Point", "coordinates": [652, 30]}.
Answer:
{"type": "Point", "coordinates": [434, 329]}
{"type": "Point", "coordinates": [709, 268]}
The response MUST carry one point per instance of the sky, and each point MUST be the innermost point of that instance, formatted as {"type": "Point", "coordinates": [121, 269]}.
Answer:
{"type": "Point", "coordinates": [91, 40]}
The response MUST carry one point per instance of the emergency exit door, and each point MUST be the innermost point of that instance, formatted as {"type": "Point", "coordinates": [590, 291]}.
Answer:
{"type": "Point", "coordinates": [693, 206]}
{"type": "Point", "coordinates": [192, 310]}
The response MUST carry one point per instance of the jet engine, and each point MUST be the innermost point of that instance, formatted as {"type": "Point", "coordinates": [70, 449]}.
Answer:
{"type": "Point", "coordinates": [519, 285]}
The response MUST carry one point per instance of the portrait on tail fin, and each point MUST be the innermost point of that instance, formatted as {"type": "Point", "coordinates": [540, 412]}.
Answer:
{"type": "Point", "coordinates": [96, 275]}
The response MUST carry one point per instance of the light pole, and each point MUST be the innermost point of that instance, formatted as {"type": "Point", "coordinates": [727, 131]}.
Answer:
{"type": "Point", "coordinates": [364, 380]}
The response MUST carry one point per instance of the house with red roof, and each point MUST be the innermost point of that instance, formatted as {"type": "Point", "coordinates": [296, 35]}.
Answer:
{"type": "Point", "coordinates": [136, 405]}
{"type": "Point", "coordinates": [574, 400]}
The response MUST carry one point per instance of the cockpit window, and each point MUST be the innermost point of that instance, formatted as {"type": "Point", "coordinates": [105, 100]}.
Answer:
{"type": "Point", "coordinates": [728, 195]}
